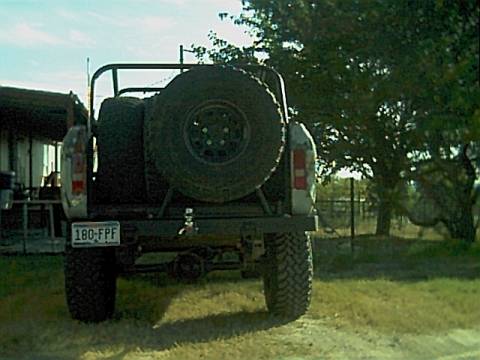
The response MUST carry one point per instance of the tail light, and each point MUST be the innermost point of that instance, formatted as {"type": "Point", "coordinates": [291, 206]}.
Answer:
{"type": "Point", "coordinates": [299, 169]}
{"type": "Point", "coordinates": [302, 169]}
{"type": "Point", "coordinates": [74, 172]}
{"type": "Point", "coordinates": [79, 166]}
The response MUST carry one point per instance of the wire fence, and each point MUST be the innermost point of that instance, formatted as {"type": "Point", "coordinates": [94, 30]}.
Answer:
{"type": "Point", "coordinates": [346, 218]}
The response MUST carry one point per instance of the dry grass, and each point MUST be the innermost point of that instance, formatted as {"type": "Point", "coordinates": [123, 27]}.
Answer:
{"type": "Point", "coordinates": [391, 306]}
{"type": "Point", "coordinates": [223, 317]}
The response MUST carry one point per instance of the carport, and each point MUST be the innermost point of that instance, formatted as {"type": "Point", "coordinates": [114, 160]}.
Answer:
{"type": "Point", "coordinates": [32, 126]}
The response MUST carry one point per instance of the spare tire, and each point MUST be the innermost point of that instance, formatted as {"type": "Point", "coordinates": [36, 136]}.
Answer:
{"type": "Point", "coordinates": [120, 177]}
{"type": "Point", "coordinates": [216, 134]}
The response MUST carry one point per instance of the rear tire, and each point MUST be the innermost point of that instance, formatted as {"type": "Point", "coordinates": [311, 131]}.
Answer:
{"type": "Point", "coordinates": [90, 283]}
{"type": "Point", "coordinates": [120, 177]}
{"type": "Point", "coordinates": [288, 274]}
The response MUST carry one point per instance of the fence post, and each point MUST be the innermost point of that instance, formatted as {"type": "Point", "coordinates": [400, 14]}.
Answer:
{"type": "Point", "coordinates": [352, 208]}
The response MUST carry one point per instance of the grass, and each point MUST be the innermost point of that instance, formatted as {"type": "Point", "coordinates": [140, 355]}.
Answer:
{"type": "Point", "coordinates": [404, 229]}
{"type": "Point", "coordinates": [224, 316]}
{"type": "Point", "coordinates": [404, 307]}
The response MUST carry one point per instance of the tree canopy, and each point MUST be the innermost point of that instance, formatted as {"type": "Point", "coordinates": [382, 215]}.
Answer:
{"type": "Point", "coordinates": [384, 86]}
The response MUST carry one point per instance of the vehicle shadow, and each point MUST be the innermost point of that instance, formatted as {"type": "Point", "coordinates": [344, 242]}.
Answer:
{"type": "Point", "coordinates": [144, 298]}
{"type": "Point", "coordinates": [214, 327]}
{"type": "Point", "coordinates": [119, 338]}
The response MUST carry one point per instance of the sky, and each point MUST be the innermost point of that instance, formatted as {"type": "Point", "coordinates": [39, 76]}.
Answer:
{"type": "Point", "coordinates": [44, 44]}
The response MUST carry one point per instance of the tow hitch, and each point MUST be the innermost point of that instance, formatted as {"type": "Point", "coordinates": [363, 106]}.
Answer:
{"type": "Point", "coordinates": [189, 227]}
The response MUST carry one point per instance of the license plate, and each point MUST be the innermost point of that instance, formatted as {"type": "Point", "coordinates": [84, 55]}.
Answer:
{"type": "Point", "coordinates": [90, 234]}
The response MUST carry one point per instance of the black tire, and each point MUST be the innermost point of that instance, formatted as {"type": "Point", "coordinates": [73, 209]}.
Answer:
{"type": "Point", "coordinates": [216, 135]}
{"type": "Point", "coordinates": [159, 187]}
{"type": "Point", "coordinates": [90, 283]}
{"type": "Point", "coordinates": [288, 274]}
{"type": "Point", "coordinates": [120, 176]}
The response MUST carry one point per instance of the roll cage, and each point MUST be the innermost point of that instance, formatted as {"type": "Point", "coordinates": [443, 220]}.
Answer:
{"type": "Point", "coordinates": [266, 74]}
{"type": "Point", "coordinates": [273, 79]}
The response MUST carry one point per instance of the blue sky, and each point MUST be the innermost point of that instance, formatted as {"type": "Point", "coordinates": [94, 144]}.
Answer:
{"type": "Point", "coordinates": [44, 43]}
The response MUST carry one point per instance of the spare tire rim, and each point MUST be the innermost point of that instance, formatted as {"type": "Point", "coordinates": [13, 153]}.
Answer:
{"type": "Point", "coordinates": [216, 132]}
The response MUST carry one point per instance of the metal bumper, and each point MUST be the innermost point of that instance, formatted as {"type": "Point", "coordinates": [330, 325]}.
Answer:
{"type": "Point", "coordinates": [229, 226]}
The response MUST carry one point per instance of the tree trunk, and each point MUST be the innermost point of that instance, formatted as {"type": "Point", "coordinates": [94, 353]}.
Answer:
{"type": "Point", "coordinates": [462, 226]}
{"type": "Point", "coordinates": [384, 216]}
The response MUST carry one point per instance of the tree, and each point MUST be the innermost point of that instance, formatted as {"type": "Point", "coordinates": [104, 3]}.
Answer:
{"type": "Point", "coordinates": [445, 166]}
{"type": "Point", "coordinates": [363, 75]}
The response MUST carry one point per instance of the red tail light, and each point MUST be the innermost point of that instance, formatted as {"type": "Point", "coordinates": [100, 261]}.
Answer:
{"type": "Point", "coordinates": [74, 172]}
{"type": "Point", "coordinates": [299, 170]}
{"type": "Point", "coordinates": [78, 170]}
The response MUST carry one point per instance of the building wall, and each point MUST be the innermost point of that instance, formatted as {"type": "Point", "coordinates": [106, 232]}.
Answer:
{"type": "Point", "coordinates": [43, 158]}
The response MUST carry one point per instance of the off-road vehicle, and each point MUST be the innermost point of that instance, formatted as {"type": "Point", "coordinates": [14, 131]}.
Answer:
{"type": "Point", "coordinates": [208, 168]}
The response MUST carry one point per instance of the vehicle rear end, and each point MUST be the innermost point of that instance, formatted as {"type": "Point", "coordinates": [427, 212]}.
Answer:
{"type": "Point", "coordinates": [208, 168]}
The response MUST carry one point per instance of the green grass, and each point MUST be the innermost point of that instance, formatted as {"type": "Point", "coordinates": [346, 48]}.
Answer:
{"type": "Point", "coordinates": [435, 288]}
{"type": "Point", "coordinates": [22, 272]}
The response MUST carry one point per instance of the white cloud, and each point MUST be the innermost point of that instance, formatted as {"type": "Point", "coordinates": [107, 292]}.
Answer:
{"type": "Point", "coordinates": [34, 85]}
{"type": "Point", "coordinates": [57, 81]}
{"type": "Point", "coordinates": [26, 35]}
{"type": "Point", "coordinates": [154, 23]}
{"type": "Point", "coordinates": [80, 39]}
{"type": "Point", "coordinates": [135, 24]}
{"type": "Point", "coordinates": [67, 15]}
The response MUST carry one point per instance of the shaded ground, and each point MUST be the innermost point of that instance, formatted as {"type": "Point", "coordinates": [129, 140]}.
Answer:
{"type": "Point", "coordinates": [12, 242]}
{"type": "Point", "coordinates": [390, 299]}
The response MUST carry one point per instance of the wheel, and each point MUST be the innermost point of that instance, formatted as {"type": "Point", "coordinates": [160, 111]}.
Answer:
{"type": "Point", "coordinates": [120, 177]}
{"type": "Point", "coordinates": [208, 128]}
{"type": "Point", "coordinates": [288, 274]}
{"type": "Point", "coordinates": [90, 283]}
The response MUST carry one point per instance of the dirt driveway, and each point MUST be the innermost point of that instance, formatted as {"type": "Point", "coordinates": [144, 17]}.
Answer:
{"type": "Point", "coordinates": [331, 343]}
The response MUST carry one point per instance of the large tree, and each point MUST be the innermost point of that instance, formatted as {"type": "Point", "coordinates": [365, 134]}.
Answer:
{"type": "Point", "coordinates": [363, 75]}
{"type": "Point", "coordinates": [447, 104]}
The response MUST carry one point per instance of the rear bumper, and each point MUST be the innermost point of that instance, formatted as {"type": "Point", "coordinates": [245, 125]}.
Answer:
{"type": "Point", "coordinates": [224, 226]}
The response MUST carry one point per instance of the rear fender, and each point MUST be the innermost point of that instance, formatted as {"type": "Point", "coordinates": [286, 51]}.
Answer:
{"type": "Point", "coordinates": [74, 173]}
{"type": "Point", "coordinates": [303, 177]}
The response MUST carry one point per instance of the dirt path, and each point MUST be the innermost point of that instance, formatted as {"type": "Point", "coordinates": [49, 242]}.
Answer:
{"type": "Point", "coordinates": [330, 343]}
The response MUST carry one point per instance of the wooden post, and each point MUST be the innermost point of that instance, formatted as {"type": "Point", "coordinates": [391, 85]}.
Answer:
{"type": "Point", "coordinates": [181, 57]}
{"type": "Point", "coordinates": [352, 212]}
{"type": "Point", "coordinates": [1, 227]}
{"type": "Point", "coordinates": [25, 225]}
{"type": "Point", "coordinates": [56, 157]}
{"type": "Point", "coordinates": [30, 163]}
